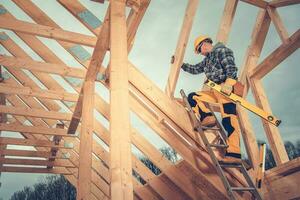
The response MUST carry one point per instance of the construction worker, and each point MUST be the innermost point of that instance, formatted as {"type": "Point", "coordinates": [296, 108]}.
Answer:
{"type": "Point", "coordinates": [218, 66]}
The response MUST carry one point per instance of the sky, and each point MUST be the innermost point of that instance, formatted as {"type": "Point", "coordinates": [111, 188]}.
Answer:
{"type": "Point", "coordinates": [154, 45]}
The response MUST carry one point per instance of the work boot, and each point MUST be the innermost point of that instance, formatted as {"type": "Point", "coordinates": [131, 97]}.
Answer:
{"type": "Point", "coordinates": [208, 121]}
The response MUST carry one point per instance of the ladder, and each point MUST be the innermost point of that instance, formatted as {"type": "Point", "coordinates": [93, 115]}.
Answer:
{"type": "Point", "coordinates": [220, 166]}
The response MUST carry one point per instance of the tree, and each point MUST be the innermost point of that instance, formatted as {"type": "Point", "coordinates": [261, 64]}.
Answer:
{"type": "Point", "coordinates": [52, 187]}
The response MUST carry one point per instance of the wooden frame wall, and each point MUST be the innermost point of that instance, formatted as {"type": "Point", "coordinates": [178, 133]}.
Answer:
{"type": "Point", "coordinates": [33, 110]}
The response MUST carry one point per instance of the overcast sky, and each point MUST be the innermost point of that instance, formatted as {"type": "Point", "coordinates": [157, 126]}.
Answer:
{"type": "Point", "coordinates": [156, 42]}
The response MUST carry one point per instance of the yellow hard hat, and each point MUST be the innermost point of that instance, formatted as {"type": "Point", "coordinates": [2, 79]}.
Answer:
{"type": "Point", "coordinates": [198, 40]}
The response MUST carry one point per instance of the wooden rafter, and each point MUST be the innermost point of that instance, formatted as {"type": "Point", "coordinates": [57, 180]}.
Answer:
{"type": "Point", "coordinates": [276, 57]}
{"type": "Point", "coordinates": [281, 3]}
{"type": "Point", "coordinates": [276, 19]}
{"type": "Point", "coordinates": [177, 58]}
{"type": "Point", "coordinates": [46, 31]}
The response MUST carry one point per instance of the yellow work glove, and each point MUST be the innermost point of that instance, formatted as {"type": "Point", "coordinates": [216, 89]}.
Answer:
{"type": "Point", "coordinates": [227, 87]}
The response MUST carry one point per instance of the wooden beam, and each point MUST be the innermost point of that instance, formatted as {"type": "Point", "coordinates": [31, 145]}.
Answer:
{"type": "Point", "coordinates": [86, 138]}
{"type": "Point", "coordinates": [276, 19]}
{"type": "Point", "coordinates": [227, 19]}
{"type": "Point", "coordinates": [46, 31]}
{"type": "Point", "coordinates": [56, 170]}
{"type": "Point", "coordinates": [120, 143]}
{"type": "Point", "coordinates": [93, 69]}
{"type": "Point", "coordinates": [258, 37]}
{"type": "Point", "coordinates": [132, 21]}
{"type": "Point", "coordinates": [27, 153]}
{"type": "Point", "coordinates": [56, 140]}
{"type": "Point", "coordinates": [32, 142]}
{"type": "Point", "coordinates": [30, 112]}
{"type": "Point", "coordinates": [21, 63]}
{"type": "Point", "coordinates": [281, 3]}
{"type": "Point", "coordinates": [282, 182]}
{"type": "Point", "coordinates": [258, 3]}
{"type": "Point", "coordinates": [183, 39]}
{"type": "Point", "coordinates": [277, 56]}
{"type": "Point", "coordinates": [9, 89]}
{"type": "Point", "coordinates": [35, 162]}
{"type": "Point", "coordinates": [272, 132]}
{"type": "Point", "coordinates": [34, 129]}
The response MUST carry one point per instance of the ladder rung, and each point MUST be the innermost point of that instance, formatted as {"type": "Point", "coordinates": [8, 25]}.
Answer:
{"type": "Point", "coordinates": [231, 165]}
{"type": "Point", "coordinates": [210, 128]}
{"type": "Point", "coordinates": [242, 188]}
{"type": "Point", "coordinates": [219, 145]}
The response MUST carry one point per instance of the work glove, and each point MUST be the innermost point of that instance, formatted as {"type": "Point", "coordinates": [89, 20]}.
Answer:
{"type": "Point", "coordinates": [227, 87]}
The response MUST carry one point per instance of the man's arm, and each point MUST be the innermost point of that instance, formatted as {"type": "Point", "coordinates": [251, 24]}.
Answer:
{"type": "Point", "coordinates": [193, 69]}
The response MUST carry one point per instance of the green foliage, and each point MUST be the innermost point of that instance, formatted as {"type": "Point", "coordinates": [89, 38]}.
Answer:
{"type": "Point", "coordinates": [51, 188]}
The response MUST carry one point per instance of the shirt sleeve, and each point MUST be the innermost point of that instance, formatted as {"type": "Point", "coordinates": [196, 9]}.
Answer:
{"type": "Point", "coordinates": [227, 60]}
{"type": "Point", "coordinates": [194, 69]}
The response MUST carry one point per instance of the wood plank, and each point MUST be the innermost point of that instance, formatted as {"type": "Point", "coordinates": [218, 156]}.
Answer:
{"type": "Point", "coordinates": [46, 31]}
{"type": "Point", "coordinates": [276, 57]}
{"type": "Point", "coordinates": [77, 9]}
{"type": "Point", "coordinates": [35, 162]}
{"type": "Point", "coordinates": [30, 112]}
{"type": "Point", "coordinates": [33, 142]}
{"type": "Point", "coordinates": [281, 3]}
{"type": "Point", "coordinates": [86, 138]}
{"type": "Point", "coordinates": [258, 37]}
{"type": "Point", "coordinates": [9, 89]}
{"type": "Point", "coordinates": [227, 19]}
{"type": "Point", "coordinates": [183, 39]}
{"type": "Point", "coordinates": [74, 156]}
{"type": "Point", "coordinates": [56, 140]}
{"type": "Point", "coordinates": [59, 69]}
{"type": "Point", "coordinates": [27, 153]}
{"type": "Point", "coordinates": [34, 129]}
{"type": "Point", "coordinates": [282, 182]}
{"type": "Point", "coordinates": [56, 170]}
{"type": "Point", "coordinates": [258, 3]}
{"type": "Point", "coordinates": [120, 143]}
{"type": "Point", "coordinates": [93, 69]}
{"type": "Point", "coordinates": [132, 21]}
{"type": "Point", "coordinates": [276, 19]}
{"type": "Point", "coordinates": [272, 132]}
{"type": "Point", "coordinates": [284, 169]}
{"type": "Point", "coordinates": [15, 50]}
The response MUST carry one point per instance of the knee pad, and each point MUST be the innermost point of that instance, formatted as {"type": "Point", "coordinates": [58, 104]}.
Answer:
{"type": "Point", "coordinates": [192, 101]}
{"type": "Point", "coordinates": [229, 108]}
{"type": "Point", "coordinates": [227, 125]}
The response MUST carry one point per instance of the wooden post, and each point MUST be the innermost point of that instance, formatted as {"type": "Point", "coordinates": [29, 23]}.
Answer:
{"type": "Point", "coordinates": [181, 45]}
{"type": "Point", "coordinates": [86, 140]}
{"type": "Point", "coordinates": [227, 19]}
{"type": "Point", "coordinates": [120, 143]}
{"type": "Point", "coordinates": [258, 38]}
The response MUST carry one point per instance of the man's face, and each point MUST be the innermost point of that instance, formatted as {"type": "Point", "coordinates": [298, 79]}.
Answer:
{"type": "Point", "coordinates": [206, 47]}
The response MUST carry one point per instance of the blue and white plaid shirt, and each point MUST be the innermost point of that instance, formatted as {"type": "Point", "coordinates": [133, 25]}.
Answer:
{"type": "Point", "coordinates": [218, 65]}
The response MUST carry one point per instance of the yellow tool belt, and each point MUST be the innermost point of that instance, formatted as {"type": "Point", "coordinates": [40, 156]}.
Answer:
{"type": "Point", "coordinates": [236, 98]}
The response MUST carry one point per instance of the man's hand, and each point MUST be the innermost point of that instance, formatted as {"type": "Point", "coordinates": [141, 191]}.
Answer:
{"type": "Point", "coordinates": [226, 89]}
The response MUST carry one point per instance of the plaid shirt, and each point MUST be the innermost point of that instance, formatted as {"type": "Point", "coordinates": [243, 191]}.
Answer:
{"type": "Point", "coordinates": [218, 65]}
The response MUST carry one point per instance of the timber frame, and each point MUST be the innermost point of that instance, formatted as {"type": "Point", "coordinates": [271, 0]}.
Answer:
{"type": "Point", "coordinates": [64, 132]}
